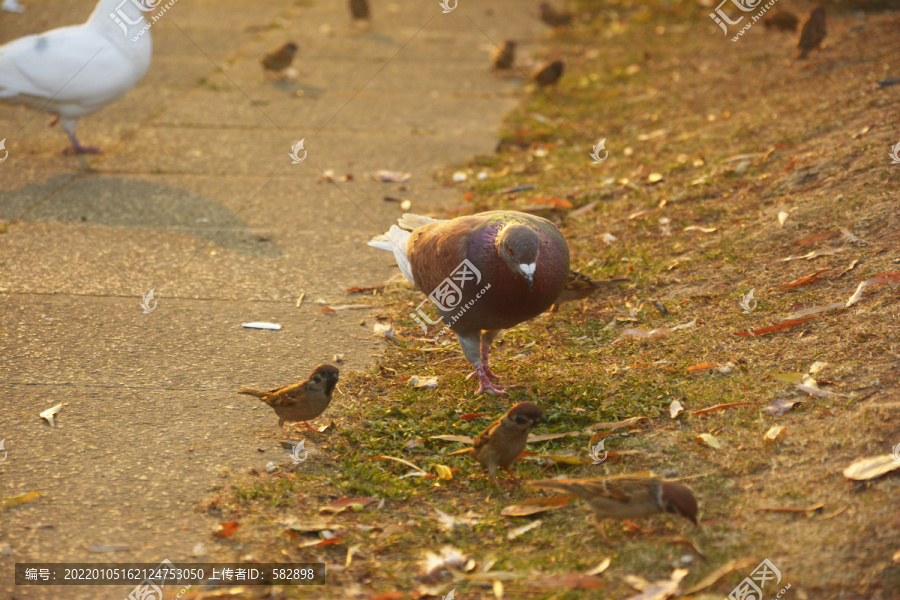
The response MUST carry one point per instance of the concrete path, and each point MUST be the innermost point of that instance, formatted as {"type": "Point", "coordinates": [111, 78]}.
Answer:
{"type": "Point", "coordinates": [197, 199]}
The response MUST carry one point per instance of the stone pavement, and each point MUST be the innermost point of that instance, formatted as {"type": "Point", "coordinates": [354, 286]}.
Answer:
{"type": "Point", "coordinates": [197, 199]}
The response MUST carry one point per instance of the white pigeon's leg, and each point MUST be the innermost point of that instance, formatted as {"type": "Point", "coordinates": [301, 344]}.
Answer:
{"type": "Point", "coordinates": [76, 147]}
{"type": "Point", "coordinates": [471, 347]}
{"type": "Point", "coordinates": [487, 338]}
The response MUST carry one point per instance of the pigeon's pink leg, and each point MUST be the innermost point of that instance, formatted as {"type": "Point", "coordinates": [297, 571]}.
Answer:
{"type": "Point", "coordinates": [76, 147]}
{"type": "Point", "coordinates": [487, 338]}
{"type": "Point", "coordinates": [486, 387]}
{"type": "Point", "coordinates": [473, 347]}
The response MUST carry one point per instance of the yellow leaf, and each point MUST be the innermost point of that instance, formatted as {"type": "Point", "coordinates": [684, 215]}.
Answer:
{"type": "Point", "coordinates": [709, 440]}
{"type": "Point", "coordinates": [21, 499]}
{"type": "Point", "coordinates": [774, 434]}
{"type": "Point", "coordinates": [443, 472]}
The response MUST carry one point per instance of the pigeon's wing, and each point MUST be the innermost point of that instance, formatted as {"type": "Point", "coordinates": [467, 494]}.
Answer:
{"type": "Point", "coordinates": [68, 65]}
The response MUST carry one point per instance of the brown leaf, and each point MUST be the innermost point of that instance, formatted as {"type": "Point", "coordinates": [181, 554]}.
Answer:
{"type": "Point", "coordinates": [360, 290]}
{"type": "Point", "coordinates": [555, 202]}
{"type": "Point", "coordinates": [717, 574]}
{"type": "Point", "coordinates": [470, 416]}
{"type": "Point", "coordinates": [720, 407]}
{"type": "Point", "coordinates": [568, 581]}
{"type": "Point", "coordinates": [701, 367]}
{"type": "Point", "coordinates": [771, 328]}
{"type": "Point", "coordinates": [804, 280]}
{"type": "Point", "coordinates": [550, 436]}
{"type": "Point", "coordinates": [793, 509]}
{"type": "Point", "coordinates": [870, 468]}
{"type": "Point", "coordinates": [535, 505]}
{"type": "Point", "coordinates": [779, 407]}
{"type": "Point", "coordinates": [463, 439]}
{"type": "Point", "coordinates": [629, 422]}
{"type": "Point", "coordinates": [328, 310]}
{"type": "Point", "coordinates": [226, 528]}
{"type": "Point", "coordinates": [341, 504]}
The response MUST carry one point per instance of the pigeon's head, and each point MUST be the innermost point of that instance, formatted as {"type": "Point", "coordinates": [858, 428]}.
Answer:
{"type": "Point", "coordinates": [325, 376]}
{"type": "Point", "coordinates": [519, 246]}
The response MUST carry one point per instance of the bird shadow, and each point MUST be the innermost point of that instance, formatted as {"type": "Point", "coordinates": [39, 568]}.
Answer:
{"type": "Point", "coordinates": [131, 204]}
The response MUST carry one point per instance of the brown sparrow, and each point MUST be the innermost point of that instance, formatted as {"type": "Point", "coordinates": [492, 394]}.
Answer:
{"type": "Point", "coordinates": [627, 496]}
{"type": "Point", "coordinates": [548, 73]}
{"type": "Point", "coordinates": [280, 59]}
{"type": "Point", "coordinates": [360, 9]}
{"type": "Point", "coordinates": [302, 401]}
{"type": "Point", "coordinates": [504, 55]}
{"type": "Point", "coordinates": [813, 32]}
{"type": "Point", "coordinates": [783, 20]}
{"type": "Point", "coordinates": [500, 444]}
{"type": "Point", "coordinates": [581, 286]}
{"type": "Point", "coordinates": [553, 17]}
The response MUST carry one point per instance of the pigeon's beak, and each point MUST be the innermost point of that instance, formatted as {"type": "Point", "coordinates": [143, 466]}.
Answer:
{"type": "Point", "coordinates": [528, 274]}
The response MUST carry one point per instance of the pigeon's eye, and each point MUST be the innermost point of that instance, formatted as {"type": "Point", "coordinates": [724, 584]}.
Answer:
{"type": "Point", "coordinates": [510, 250]}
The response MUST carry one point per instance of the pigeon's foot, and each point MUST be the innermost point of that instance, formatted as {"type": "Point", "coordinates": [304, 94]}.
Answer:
{"type": "Point", "coordinates": [79, 149]}
{"type": "Point", "coordinates": [487, 372]}
{"type": "Point", "coordinates": [486, 387]}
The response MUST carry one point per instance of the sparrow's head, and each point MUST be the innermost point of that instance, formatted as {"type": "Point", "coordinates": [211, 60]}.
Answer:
{"type": "Point", "coordinates": [325, 376]}
{"type": "Point", "coordinates": [519, 246]}
{"type": "Point", "coordinates": [526, 415]}
{"type": "Point", "coordinates": [290, 48]}
{"type": "Point", "coordinates": [509, 45]}
{"type": "Point", "coordinates": [678, 499]}
{"type": "Point", "coordinates": [818, 12]}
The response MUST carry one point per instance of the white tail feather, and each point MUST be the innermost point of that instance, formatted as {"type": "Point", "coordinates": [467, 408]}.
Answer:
{"type": "Point", "coordinates": [395, 241]}
{"type": "Point", "coordinates": [410, 221]}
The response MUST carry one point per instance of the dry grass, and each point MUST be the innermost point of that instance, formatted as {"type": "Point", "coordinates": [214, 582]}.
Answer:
{"type": "Point", "coordinates": [685, 102]}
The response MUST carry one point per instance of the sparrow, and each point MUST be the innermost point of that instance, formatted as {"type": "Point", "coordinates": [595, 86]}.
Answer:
{"type": "Point", "coordinates": [553, 17]}
{"type": "Point", "coordinates": [360, 9]}
{"type": "Point", "coordinates": [813, 32]}
{"type": "Point", "coordinates": [548, 73]}
{"type": "Point", "coordinates": [581, 286]}
{"type": "Point", "coordinates": [302, 401]}
{"type": "Point", "coordinates": [500, 444]}
{"type": "Point", "coordinates": [627, 496]}
{"type": "Point", "coordinates": [504, 55]}
{"type": "Point", "coordinates": [280, 59]}
{"type": "Point", "coordinates": [783, 20]}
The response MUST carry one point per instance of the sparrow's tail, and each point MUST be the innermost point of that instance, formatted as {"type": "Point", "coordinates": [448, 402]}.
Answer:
{"type": "Point", "coordinates": [395, 241]}
{"type": "Point", "coordinates": [252, 392]}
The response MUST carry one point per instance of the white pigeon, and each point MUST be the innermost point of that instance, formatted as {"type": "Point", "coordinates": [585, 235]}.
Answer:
{"type": "Point", "coordinates": [75, 71]}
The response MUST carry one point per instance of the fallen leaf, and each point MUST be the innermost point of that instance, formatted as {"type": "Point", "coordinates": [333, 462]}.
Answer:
{"type": "Point", "coordinates": [717, 574]}
{"type": "Point", "coordinates": [556, 202]}
{"type": "Point", "coordinates": [420, 383]}
{"type": "Point", "coordinates": [399, 460]}
{"type": "Point", "coordinates": [362, 290]}
{"type": "Point", "coordinates": [584, 209]}
{"type": "Point", "coordinates": [698, 228]}
{"type": "Point", "coordinates": [774, 434]}
{"type": "Point", "coordinates": [385, 330]}
{"type": "Point", "coordinates": [811, 387]}
{"type": "Point", "coordinates": [629, 422]}
{"type": "Point", "coordinates": [414, 443]}
{"type": "Point", "coordinates": [814, 311]}
{"type": "Point", "coordinates": [470, 416]}
{"type": "Point", "coordinates": [568, 581]}
{"type": "Point", "coordinates": [513, 534]}
{"type": "Point", "coordinates": [793, 509]}
{"type": "Point", "coordinates": [805, 280]}
{"type": "Point", "coordinates": [782, 217]}
{"type": "Point", "coordinates": [567, 460]}
{"type": "Point", "coordinates": [113, 548]}
{"type": "Point", "coordinates": [779, 407]}
{"type": "Point", "coordinates": [48, 414]}
{"type": "Point", "coordinates": [720, 407]}
{"type": "Point", "coordinates": [226, 528]}
{"type": "Point", "coordinates": [870, 468]}
{"type": "Point", "coordinates": [347, 307]}
{"type": "Point", "coordinates": [328, 309]}
{"type": "Point", "coordinates": [550, 436]}
{"type": "Point", "coordinates": [341, 504]}
{"type": "Point", "coordinates": [449, 523]}
{"type": "Point", "coordinates": [535, 505]}
{"type": "Point", "coordinates": [604, 564]}
{"type": "Point", "coordinates": [896, 557]}
{"type": "Point", "coordinates": [391, 176]}
{"type": "Point", "coordinates": [709, 440]}
{"type": "Point", "coordinates": [675, 409]}
{"type": "Point", "coordinates": [813, 254]}
{"type": "Point", "coordinates": [463, 439]}
{"type": "Point", "coordinates": [788, 377]}
{"type": "Point", "coordinates": [21, 499]}
{"type": "Point", "coordinates": [771, 328]}
{"type": "Point", "coordinates": [443, 472]}
{"type": "Point", "coordinates": [701, 367]}
{"type": "Point", "coordinates": [817, 366]}
{"type": "Point", "coordinates": [658, 590]}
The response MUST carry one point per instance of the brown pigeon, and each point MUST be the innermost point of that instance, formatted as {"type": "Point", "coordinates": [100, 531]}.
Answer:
{"type": "Point", "coordinates": [548, 73]}
{"type": "Point", "coordinates": [783, 20]}
{"type": "Point", "coordinates": [553, 17]}
{"type": "Point", "coordinates": [813, 32]}
{"type": "Point", "coordinates": [484, 273]}
{"type": "Point", "coordinates": [504, 55]}
{"type": "Point", "coordinates": [280, 59]}
{"type": "Point", "coordinates": [581, 286]}
{"type": "Point", "coordinates": [360, 9]}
